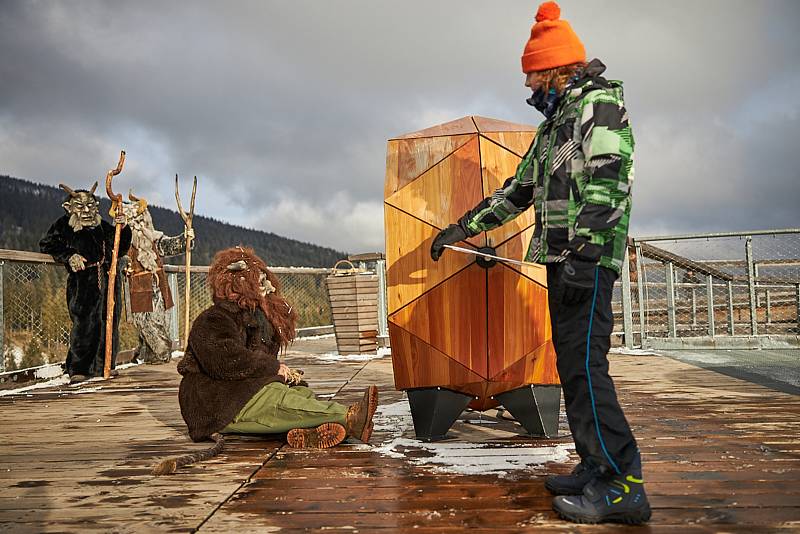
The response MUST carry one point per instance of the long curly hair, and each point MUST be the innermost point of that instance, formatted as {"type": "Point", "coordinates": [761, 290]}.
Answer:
{"type": "Point", "coordinates": [241, 285]}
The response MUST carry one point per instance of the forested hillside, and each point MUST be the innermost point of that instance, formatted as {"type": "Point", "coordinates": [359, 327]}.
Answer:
{"type": "Point", "coordinates": [28, 209]}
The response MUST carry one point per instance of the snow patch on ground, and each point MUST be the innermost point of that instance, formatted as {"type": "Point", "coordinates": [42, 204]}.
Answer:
{"type": "Point", "coordinates": [55, 382]}
{"type": "Point", "coordinates": [633, 352]}
{"type": "Point", "coordinates": [336, 357]}
{"type": "Point", "coordinates": [458, 457]}
{"type": "Point", "coordinates": [321, 336]}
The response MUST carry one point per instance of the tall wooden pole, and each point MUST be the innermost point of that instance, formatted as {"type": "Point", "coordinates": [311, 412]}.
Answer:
{"type": "Point", "coordinates": [116, 207]}
{"type": "Point", "coordinates": [187, 222]}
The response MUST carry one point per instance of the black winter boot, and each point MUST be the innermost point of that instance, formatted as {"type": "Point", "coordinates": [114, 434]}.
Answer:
{"type": "Point", "coordinates": [571, 484]}
{"type": "Point", "coordinates": [619, 499]}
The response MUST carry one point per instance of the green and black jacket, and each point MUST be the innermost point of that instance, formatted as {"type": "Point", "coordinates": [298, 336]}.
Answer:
{"type": "Point", "coordinates": [577, 174]}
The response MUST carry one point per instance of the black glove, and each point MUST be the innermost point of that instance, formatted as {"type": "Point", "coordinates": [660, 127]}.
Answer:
{"type": "Point", "coordinates": [578, 277]}
{"type": "Point", "coordinates": [452, 234]}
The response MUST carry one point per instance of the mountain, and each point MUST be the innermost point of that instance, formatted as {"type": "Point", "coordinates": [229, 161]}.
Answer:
{"type": "Point", "coordinates": [27, 210]}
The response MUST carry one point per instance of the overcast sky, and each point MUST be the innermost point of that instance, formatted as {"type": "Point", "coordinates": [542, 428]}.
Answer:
{"type": "Point", "coordinates": [283, 109]}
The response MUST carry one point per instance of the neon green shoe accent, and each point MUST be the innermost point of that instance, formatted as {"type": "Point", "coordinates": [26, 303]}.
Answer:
{"type": "Point", "coordinates": [622, 485]}
{"type": "Point", "coordinates": [615, 501]}
{"type": "Point", "coordinates": [631, 478]}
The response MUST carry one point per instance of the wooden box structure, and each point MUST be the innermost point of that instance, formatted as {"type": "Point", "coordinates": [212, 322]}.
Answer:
{"type": "Point", "coordinates": [354, 305]}
{"type": "Point", "coordinates": [477, 332]}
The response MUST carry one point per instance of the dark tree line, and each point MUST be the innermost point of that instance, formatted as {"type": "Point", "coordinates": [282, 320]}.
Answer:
{"type": "Point", "coordinates": [28, 209]}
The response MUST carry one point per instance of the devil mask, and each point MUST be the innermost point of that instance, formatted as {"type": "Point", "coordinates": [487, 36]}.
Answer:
{"type": "Point", "coordinates": [83, 207]}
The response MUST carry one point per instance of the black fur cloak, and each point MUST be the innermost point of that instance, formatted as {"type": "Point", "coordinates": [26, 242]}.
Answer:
{"type": "Point", "coordinates": [86, 290]}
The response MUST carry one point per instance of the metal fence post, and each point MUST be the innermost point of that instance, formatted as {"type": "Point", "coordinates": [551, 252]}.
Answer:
{"type": "Point", "coordinates": [797, 294]}
{"type": "Point", "coordinates": [751, 285]}
{"type": "Point", "coordinates": [694, 306]}
{"type": "Point", "coordinates": [710, 301]}
{"type": "Point", "coordinates": [640, 287]}
{"type": "Point", "coordinates": [383, 319]}
{"type": "Point", "coordinates": [730, 307]}
{"type": "Point", "coordinates": [768, 304]}
{"type": "Point", "coordinates": [174, 327]}
{"type": "Point", "coordinates": [627, 323]}
{"type": "Point", "coordinates": [670, 275]}
{"type": "Point", "coordinates": [2, 324]}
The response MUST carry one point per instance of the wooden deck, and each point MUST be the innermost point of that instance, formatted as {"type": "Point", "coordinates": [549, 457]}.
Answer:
{"type": "Point", "coordinates": [720, 455]}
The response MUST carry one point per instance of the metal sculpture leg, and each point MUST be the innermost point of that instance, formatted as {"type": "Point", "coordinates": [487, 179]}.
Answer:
{"type": "Point", "coordinates": [434, 411]}
{"type": "Point", "coordinates": [535, 408]}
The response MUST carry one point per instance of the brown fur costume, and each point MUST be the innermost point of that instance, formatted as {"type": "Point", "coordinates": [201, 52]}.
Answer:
{"type": "Point", "coordinates": [232, 350]}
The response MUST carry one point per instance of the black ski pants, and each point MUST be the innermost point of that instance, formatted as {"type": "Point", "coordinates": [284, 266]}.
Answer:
{"type": "Point", "coordinates": [582, 337]}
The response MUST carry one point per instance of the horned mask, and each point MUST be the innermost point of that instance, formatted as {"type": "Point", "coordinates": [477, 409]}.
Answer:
{"type": "Point", "coordinates": [82, 206]}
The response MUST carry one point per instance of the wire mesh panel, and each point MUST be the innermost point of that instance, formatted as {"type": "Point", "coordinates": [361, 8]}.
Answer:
{"type": "Point", "coordinates": [716, 285]}
{"type": "Point", "coordinates": [304, 291]}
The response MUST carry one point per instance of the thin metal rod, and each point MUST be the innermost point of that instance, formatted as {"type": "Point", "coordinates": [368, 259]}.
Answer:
{"type": "Point", "coordinates": [710, 301]}
{"type": "Point", "coordinates": [768, 304]}
{"type": "Point", "coordinates": [493, 257]}
{"type": "Point", "coordinates": [730, 308]}
{"type": "Point", "coordinates": [751, 285]}
{"type": "Point", "coordinates": [670, 275]}
{"type": "Point", "coordinates": [640, 288]}
{"type": "Point", "coordinates": [718, 234]}
{"type": "Point", "coordinates": [694, 306]}
{"type": "Point", "coordinates": [383, 318]}
{"type": "Point", "coordinates": [627, 321]}
{"type": "Point", "coordinates": [2, 323]}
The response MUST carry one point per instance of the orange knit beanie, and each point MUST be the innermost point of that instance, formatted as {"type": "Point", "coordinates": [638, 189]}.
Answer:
{"type": "Point", "coordinates": [553, 43]}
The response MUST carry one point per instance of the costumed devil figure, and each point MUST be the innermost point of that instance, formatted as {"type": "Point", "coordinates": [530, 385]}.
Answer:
{"type": "Point", "coordinates": [149, 293]}
{"type": "Point", "coordinates": [83, 242]}
{"type": "Point", "coordinates": [233, 381]}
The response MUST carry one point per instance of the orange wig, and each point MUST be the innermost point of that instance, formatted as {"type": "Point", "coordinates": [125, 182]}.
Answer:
{"type": "Point", "coordinates": [240, 284]}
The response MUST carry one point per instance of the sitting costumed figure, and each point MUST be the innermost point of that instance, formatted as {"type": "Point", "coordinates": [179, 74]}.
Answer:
{"type": "Point", "coordinates": [149, 293]}
{"type": "Point", "coordinates": [232, 379]}
{"type": "Point", "coordinates": [84, 243]}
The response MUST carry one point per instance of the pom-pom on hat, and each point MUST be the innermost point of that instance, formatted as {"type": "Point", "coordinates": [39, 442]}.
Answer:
{"type": "Point", "coordinates": [553, 43]}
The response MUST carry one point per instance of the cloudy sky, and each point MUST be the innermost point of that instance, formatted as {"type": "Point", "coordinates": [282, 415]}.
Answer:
{"type": "Point", "coordinates": [283, 109]}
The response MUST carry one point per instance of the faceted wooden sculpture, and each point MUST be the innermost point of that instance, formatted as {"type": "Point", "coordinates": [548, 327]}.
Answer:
{"type": "Point", "coordinates": [462, 332]}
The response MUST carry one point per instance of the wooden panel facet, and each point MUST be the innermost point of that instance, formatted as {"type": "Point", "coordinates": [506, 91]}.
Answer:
{"type": "Point", "coordinates": [516, 142]}
{"type": "Point", "coordinates": [452, 318]}
{"type": "Point", "coordinates": [417, 364]}
{"type": "Point", "coordinates": [461, 126]}
{"type": "Point", "coordinates": [516, 248]}
{"type": "Point", "coordinates": [390, 184]}
{"type": "Point", "coordinates": [415, 156]}
{"type": "Point", "coordinates": [486, 124]}
{"type": "Point", "coordinates": [538, 367]}
{"type": "Point", "coordinates": [498, 164]}
{"type": "Point", "coordinates": [410, 271]}
{"type": "Point", "coordinates": [445, 192]}
{"type": "Point", "coordinates": [519, 318]}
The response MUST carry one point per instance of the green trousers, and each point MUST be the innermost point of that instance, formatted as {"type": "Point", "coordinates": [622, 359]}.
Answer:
{"type": "Point", "coordinates": [277, 408]}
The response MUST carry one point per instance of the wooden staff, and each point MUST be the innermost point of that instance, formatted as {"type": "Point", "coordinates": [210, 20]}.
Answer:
{"type": "Point", "coordinates": [187, 225]}
{"type": "Point", "coordinates": [116, 208]}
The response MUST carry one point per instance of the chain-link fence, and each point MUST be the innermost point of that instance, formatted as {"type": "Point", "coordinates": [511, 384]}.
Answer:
{"type": "Point", "coordinates": [304, 289]}
{"type": "Point", "coordinates": [743, 286]}
{"type": "Point", "coordinates": [35, 323]}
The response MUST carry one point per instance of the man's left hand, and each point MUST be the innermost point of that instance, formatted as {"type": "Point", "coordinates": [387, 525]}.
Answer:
{"type": "Point", "coordinates": [578, 277]}
{"type": "Point", "coordinates": [121, 219]}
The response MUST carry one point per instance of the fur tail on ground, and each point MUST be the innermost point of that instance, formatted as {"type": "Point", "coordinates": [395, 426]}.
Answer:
{"type": "Point", "coordinates": [170, 465]}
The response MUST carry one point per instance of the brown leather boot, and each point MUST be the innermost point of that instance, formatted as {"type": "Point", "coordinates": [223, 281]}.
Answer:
{"type": "Point", "coordinates": [324, 436]}
{"type": "Point", "coordinates": [359, 415]}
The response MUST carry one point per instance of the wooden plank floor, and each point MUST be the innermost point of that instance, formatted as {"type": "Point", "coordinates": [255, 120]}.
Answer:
{"type": "Point", "coordinates": [720, 455]}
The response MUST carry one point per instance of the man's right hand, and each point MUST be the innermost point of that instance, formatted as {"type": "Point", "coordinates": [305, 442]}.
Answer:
{"type": "Point", "coordinates": [452, 234]}
{"type": "Point", "coordinates": [77, 263]}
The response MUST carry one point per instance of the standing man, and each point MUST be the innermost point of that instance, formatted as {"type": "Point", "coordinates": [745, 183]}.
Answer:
{"type": "Point", "coordinates": [83, 243]}
{"type": "Point", "coordinates": [577, 174]}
